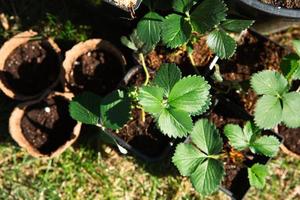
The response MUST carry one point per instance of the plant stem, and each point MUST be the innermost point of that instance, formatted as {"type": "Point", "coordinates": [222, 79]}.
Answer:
{"type": "Point", "coordinates": [141, 56]}
{"type": "Point", "coordinates": [193, 63]}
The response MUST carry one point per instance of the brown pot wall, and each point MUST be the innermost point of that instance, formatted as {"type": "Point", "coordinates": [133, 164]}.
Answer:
{"type": "Point", "coordinates": [83, 48]}
{"type": "Point", "coordinates": [16, 130]}
{"type": "Point", "coordinates": [8, 47]}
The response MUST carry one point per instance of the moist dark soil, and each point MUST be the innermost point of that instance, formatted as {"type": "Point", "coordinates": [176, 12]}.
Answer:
{"type": "Point", "coordinates": [31, 68]}
{"type": "Point", "coordinates": [283, 3]}
{"type": "Point", "coordinates": [291, 138]}
{"type": "Point", "coordinates": [144, 135]}
{"type": "Point", "coordinates": [48, 125]}
{"type": "Point", "coordinates": [202, 56]}
{"type": "Point", "coordinates": [96, 71]}
{"type": "Point", "coordinates": [254, 53]}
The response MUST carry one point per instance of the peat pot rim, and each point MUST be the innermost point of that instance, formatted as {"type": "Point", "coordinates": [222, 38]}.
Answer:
{"type": "Point", "coordinates": [5, 51]}
{"type": "Point", "coordinates": [15, 129]}
{"type": "Point", "coordinates": [82, 48]}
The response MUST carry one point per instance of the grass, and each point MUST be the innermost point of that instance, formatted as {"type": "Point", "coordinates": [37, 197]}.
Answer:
{"type": "Point", "coordinates": [91, 170]}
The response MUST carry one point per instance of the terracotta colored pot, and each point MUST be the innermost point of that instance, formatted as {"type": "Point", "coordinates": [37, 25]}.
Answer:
{"type": "Point", "coordinates": [5, 51]}
{"type": "Point", "coordinates": [17, 133]}
{"type": "Point", "coordinates": [83, 48]}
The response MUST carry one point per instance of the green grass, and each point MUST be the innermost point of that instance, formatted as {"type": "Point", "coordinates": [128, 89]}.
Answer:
{"type": "Point", "coordinates": [84, 173]}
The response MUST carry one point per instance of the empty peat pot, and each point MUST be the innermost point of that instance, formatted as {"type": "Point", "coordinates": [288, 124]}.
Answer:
{"type": "Point", "coordinates": [44, 128]}
{"type": "Point", "coordinates": [29, 66]}
{"type": "Point", "coordinates": [94, 65]}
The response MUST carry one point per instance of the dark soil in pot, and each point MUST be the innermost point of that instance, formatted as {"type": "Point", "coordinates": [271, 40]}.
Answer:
{"type": "Point", "coordinates": [32, 67]}
{"type": "Point", "coordinates": [47, 125]}
{"type": "Point", "coordinates": [97, 71]}
{"type": "Point", "coordinates": [144, 135]}
{"type": "Point", "coordinates": [291, 139]}
{"type": "Point", "coordinates": [283, 3]}
{"type": "Point", "coordinates": [202, 56]}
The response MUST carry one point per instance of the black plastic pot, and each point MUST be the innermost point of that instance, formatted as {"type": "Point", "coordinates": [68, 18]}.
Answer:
{"type": "Point", "coordinates": [124, 146]}
{"type": "Point", "coordinates": [257, 9]}
{"type": "Point", "coordinates": [240, 184]}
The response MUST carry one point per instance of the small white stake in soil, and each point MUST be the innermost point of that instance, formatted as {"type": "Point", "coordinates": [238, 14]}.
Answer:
{"type": "Point", "coordinates": [47, 109]}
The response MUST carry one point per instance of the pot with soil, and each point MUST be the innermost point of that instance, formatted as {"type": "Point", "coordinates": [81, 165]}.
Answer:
{"type": "Point", "coordinates": [94, 65]}
{"type": "Point", "coordinates": [236, 163]}
{"type": "Point", "coordinates": [127, 5]}
{"type": "Point", "coordinates": [237, 72]}
{"type": "Point", "coordinates": [262, 8]}
{"type": "Point", "coordinates": [141, 136]}
{"type": "Point", "coordinates": [44, 127]}
{"type": "Point", "coordinates": [29, 66]}
{"type": "Point", "coordinates": [254, 53]}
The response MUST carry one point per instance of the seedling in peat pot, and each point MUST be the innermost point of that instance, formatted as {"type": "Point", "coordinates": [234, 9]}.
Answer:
{"type": "Point", "coordinates": [201, 158]}
{"type": "Point", "coordinates": [277, 103]}
{"type": "Point", "coordinates": [172, 100]}
{"type": "Point", "coordinates": [190, 16]}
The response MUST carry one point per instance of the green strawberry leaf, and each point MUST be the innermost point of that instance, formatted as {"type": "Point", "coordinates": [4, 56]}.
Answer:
{"type": "Point", "coordinates": [166, 77]}
{"type": "Point", "coordinates": [237, 138]}
{"type": "Point", "coordinates": [149, 28]}
{"type": "Point", "coordinates": [115, 110]}
{"type": "Point", "coordinates": [257, 175]}
{"type": "Point", "coordinates": [296, 45]}
{"type": "Point", "coordinates": [207, 178]}
{"type": "Point", "coordinates": [236, 25]}
{"type": "Point", "coordinates": [187, 158]}
{"type": "Point", "coordinates": [269, 82]}
{"type": "Point", "coordinates": [207, 15]}
{"type": "Point", "coordinates": [221, 43]}
{"type": "Point", "coordinates": [176, 31]}
{"type": "Point", "coordinates": [206, 137]}
{"type": "Point", "coordinates": [151, 98]}
{"type": "Point", "coordinates": [268, 112]}
{"type": "Point", "coordinates": [291, 109]}
{"type": "Point", "coordinates": [175, 123]}
{"type": "Point", "coordinates": [182, 6]}
{"type": "Point", "coordinates": [266, 145]}
{"type": "Point", "coordinates": [86, 108]}
{"type": "Point", "coordinates": [190, 94]}
{"type": "Point", "coordinates": [290, 67]}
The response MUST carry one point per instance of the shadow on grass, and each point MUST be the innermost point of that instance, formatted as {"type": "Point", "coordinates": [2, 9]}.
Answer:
{"type": "Point", "coordinates": [6, 107]}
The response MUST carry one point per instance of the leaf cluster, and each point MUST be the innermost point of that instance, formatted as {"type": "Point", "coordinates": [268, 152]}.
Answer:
{"type": "Point", "coordinates": [172, 100]}
{"type": "Point", "coordinates": [201, 158]}
{"type": "Point", "coordinates": [188, 16]}
{"type": "Point", "coordinates": [276, 103]}
{"type": "Point", "coordinates": [250, 137]}
{"type": "Point", "coordinates": [111, 111]}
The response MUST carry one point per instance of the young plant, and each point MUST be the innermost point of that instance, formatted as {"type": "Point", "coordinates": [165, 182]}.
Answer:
{"type": "Point", "coordinates": [172, 100]}
{"type": "Point", "coordinates": [201, 158]}
{"type": "Point", "coordinates": [290, 65]}
{"type": "Point", "coordinates": [276, 104]}
{"type": "Point", "coordinates": [188, 16]}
